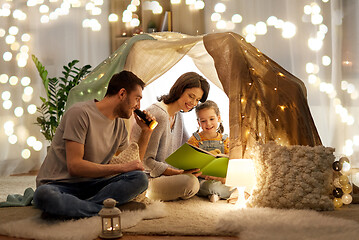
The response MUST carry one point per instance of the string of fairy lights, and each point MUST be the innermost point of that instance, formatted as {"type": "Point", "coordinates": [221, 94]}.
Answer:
{"type": "Point", "coordinates": [18, 44]}
{"type": "Point", "coordinates": [288, 30]}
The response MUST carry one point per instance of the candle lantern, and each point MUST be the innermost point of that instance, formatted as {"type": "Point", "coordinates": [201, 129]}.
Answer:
{"type": "Point", "coordinates": [111, 221]}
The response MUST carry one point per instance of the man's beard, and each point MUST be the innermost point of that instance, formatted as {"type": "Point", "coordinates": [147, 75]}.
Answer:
{"type": "Point", "coordinates": [122, 110]}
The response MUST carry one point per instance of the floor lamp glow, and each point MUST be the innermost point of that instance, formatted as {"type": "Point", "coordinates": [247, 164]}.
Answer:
{"type": "Point", "coordinates": [240, 174]}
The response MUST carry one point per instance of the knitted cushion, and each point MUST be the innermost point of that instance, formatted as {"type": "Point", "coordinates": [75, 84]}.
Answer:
{"type": "Point", "coordinates": [131, 153]}
{"type": "Point", "coordinates": [299, 177]}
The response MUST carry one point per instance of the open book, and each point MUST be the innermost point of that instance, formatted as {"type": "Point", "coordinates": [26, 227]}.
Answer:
{"type": "Point", "coordinates": [190, 157]}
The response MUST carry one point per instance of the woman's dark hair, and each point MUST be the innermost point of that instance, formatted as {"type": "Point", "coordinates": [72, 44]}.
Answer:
{"type": "Point", "coordinates": [185, 81]}
{"type": "Point", "coordinates": [209, 104]}
{"type": "Point", "coordinates": [124, 79]}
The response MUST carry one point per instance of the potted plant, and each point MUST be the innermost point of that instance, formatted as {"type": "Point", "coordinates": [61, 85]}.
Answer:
{"type": "Point", "coordinates": [151, 27]}
{"type": "Point", "coordinates": [57, 90]}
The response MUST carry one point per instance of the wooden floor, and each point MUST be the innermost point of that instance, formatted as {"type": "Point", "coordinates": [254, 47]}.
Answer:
{"type": "Point", "coordinates": [143, 237]}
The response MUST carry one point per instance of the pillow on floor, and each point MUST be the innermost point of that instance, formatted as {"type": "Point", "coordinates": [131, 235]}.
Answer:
{"type": "Point", "coordinates": [131, 153]}
{"type": "Point", "coordinates": [299, 177]}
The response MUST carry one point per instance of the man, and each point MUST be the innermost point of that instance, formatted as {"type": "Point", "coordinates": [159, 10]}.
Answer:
{"type": "Point", "coordinates": [75, 176]}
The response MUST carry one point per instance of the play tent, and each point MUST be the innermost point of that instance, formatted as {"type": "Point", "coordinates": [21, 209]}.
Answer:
{"type": "Point", "coordinates": [267, 103]}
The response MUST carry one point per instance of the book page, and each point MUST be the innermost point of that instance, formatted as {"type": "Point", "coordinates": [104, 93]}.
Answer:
{"type": "Point", "coordinates": [217, 167]}
{"type": "Point", "coordinates": [188, 157]}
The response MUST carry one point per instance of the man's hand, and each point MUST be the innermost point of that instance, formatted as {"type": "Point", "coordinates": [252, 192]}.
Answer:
{"type": "Point", "coordinates": [141, 123]}
{"type": "Point", "coordinates": [132, 166]}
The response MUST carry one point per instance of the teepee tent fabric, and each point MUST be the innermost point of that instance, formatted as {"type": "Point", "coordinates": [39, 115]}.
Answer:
{"type": "Point", "coordinates": [267, 103]}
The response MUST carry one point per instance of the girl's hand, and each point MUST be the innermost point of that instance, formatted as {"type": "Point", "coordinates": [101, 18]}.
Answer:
{"type": "Point", "coordinates": [195, 172]}
{"type": "Point", "coordinates": [222, 180]}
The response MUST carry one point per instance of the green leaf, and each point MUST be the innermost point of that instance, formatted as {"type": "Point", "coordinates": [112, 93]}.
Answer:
{"type": "Point", "coordinates": [57, 90]}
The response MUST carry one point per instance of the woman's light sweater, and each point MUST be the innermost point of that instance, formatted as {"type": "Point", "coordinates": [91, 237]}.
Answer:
{"type": "Point", "coordinates": [164, 140]}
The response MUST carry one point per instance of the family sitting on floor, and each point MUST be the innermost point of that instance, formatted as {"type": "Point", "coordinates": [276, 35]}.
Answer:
{"type": "Point", "coordinates": [75, 177]}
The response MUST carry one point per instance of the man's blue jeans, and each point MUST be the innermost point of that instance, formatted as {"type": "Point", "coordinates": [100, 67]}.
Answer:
{"type": "Point", "coordinates": [84, 199]}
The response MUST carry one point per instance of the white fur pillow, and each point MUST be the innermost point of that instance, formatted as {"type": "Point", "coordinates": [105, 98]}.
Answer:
{"type": "Point", "coordinates": [299, 177]}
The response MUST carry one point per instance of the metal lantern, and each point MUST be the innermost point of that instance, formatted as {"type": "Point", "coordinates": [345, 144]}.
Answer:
{"type": "Point", "coordinates": [111, 221]}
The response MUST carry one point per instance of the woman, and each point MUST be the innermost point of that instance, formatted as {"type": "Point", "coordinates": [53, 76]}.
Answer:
{"type": "Point", "coordinates": [167, 183]}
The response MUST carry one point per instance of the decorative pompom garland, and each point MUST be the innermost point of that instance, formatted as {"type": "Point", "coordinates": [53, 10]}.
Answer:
{"type": "Point", "coordinates": [341, 184]}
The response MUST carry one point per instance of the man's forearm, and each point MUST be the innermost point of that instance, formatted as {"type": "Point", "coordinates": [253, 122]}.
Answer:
{"type": "Point", "coordinates": [143, 143]}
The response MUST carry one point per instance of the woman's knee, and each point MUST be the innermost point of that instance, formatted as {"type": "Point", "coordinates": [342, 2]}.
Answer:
{"type": "Point", "coordinates": [191, 186]}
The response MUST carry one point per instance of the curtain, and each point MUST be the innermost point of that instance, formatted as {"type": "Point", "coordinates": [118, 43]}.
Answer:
{"type": "Point", "coordinates": [55, 44]}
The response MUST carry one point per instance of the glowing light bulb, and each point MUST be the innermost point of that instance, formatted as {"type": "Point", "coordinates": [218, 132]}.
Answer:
{"type": "Point", "coordinates": [25, 81]}
{"type": "Point", "coordinates": [250, 29]}
{"type": "Point", "coordinates": [220, 8]}
{"type": "Point", "coordinates": [96, 11]}
{"type": "Point", "coordinates": [6, 95]}
{"type": "Point", "coordinates": [289, 30]}
{"type": "Point", "coordinates": [199, 4]}
{"type": "Point", "coordinates": [315, 8]}
{"type": "Point", "coordinates": [307, 9]}
{"type": "Point", "coordinates": [37, 146]}
{"type": "Point", "coordinates": [221, 24]}
{"type": "Point", "coordinates": [215, 17]}
{"type": "Point", "coordinates": [13, 80]}
{"type": "Point", "coordinates": [44, 9]}
{"type": "Point", "coordinates": [317, 19]}
{"type": "Point", "coordinates": [236, 18]}
{"type": "Point", "coordinates": [260, 28]}
{"type": "Point", "coordinates": [44, 19]}
{"type": "Point", "coordinates": [135, 22]}
{"type": "Point", "coordinates": [31, 141]}
{"type": "Point", "coordinates": [251, 38]}
{"type": "Point", "coordinates": [12, 139]}
{"type": "Point", "coordinates": [113, 17]}
{"type": "Point", "coordinates": [272, 21]}
{"type": "Point", "coordinates": [309, 67]}
{"type": "Point", "coordinates": [315, 44]}
{"type": "Point", "coordinates": [25, 153]}
{"type": "Point", "coordinates": [32, 109]}
{"type": "Point", "coordinates": [19, 111]}
{"type": "Point", "coordinates": [10, 39]}
{"type": "Point", "coordinates": [13, 30]}
{"type": "Point", "coordinates": [326, 61]}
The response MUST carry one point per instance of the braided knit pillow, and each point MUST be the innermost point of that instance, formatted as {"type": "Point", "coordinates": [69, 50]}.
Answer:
{"type": "Point", "coordinates": [297, 177]}
{"type": "Point", "coordinates": [131, 153]}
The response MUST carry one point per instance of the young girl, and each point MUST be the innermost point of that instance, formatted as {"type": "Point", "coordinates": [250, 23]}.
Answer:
{"type": "Point", "coordinates": [211, 139]}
